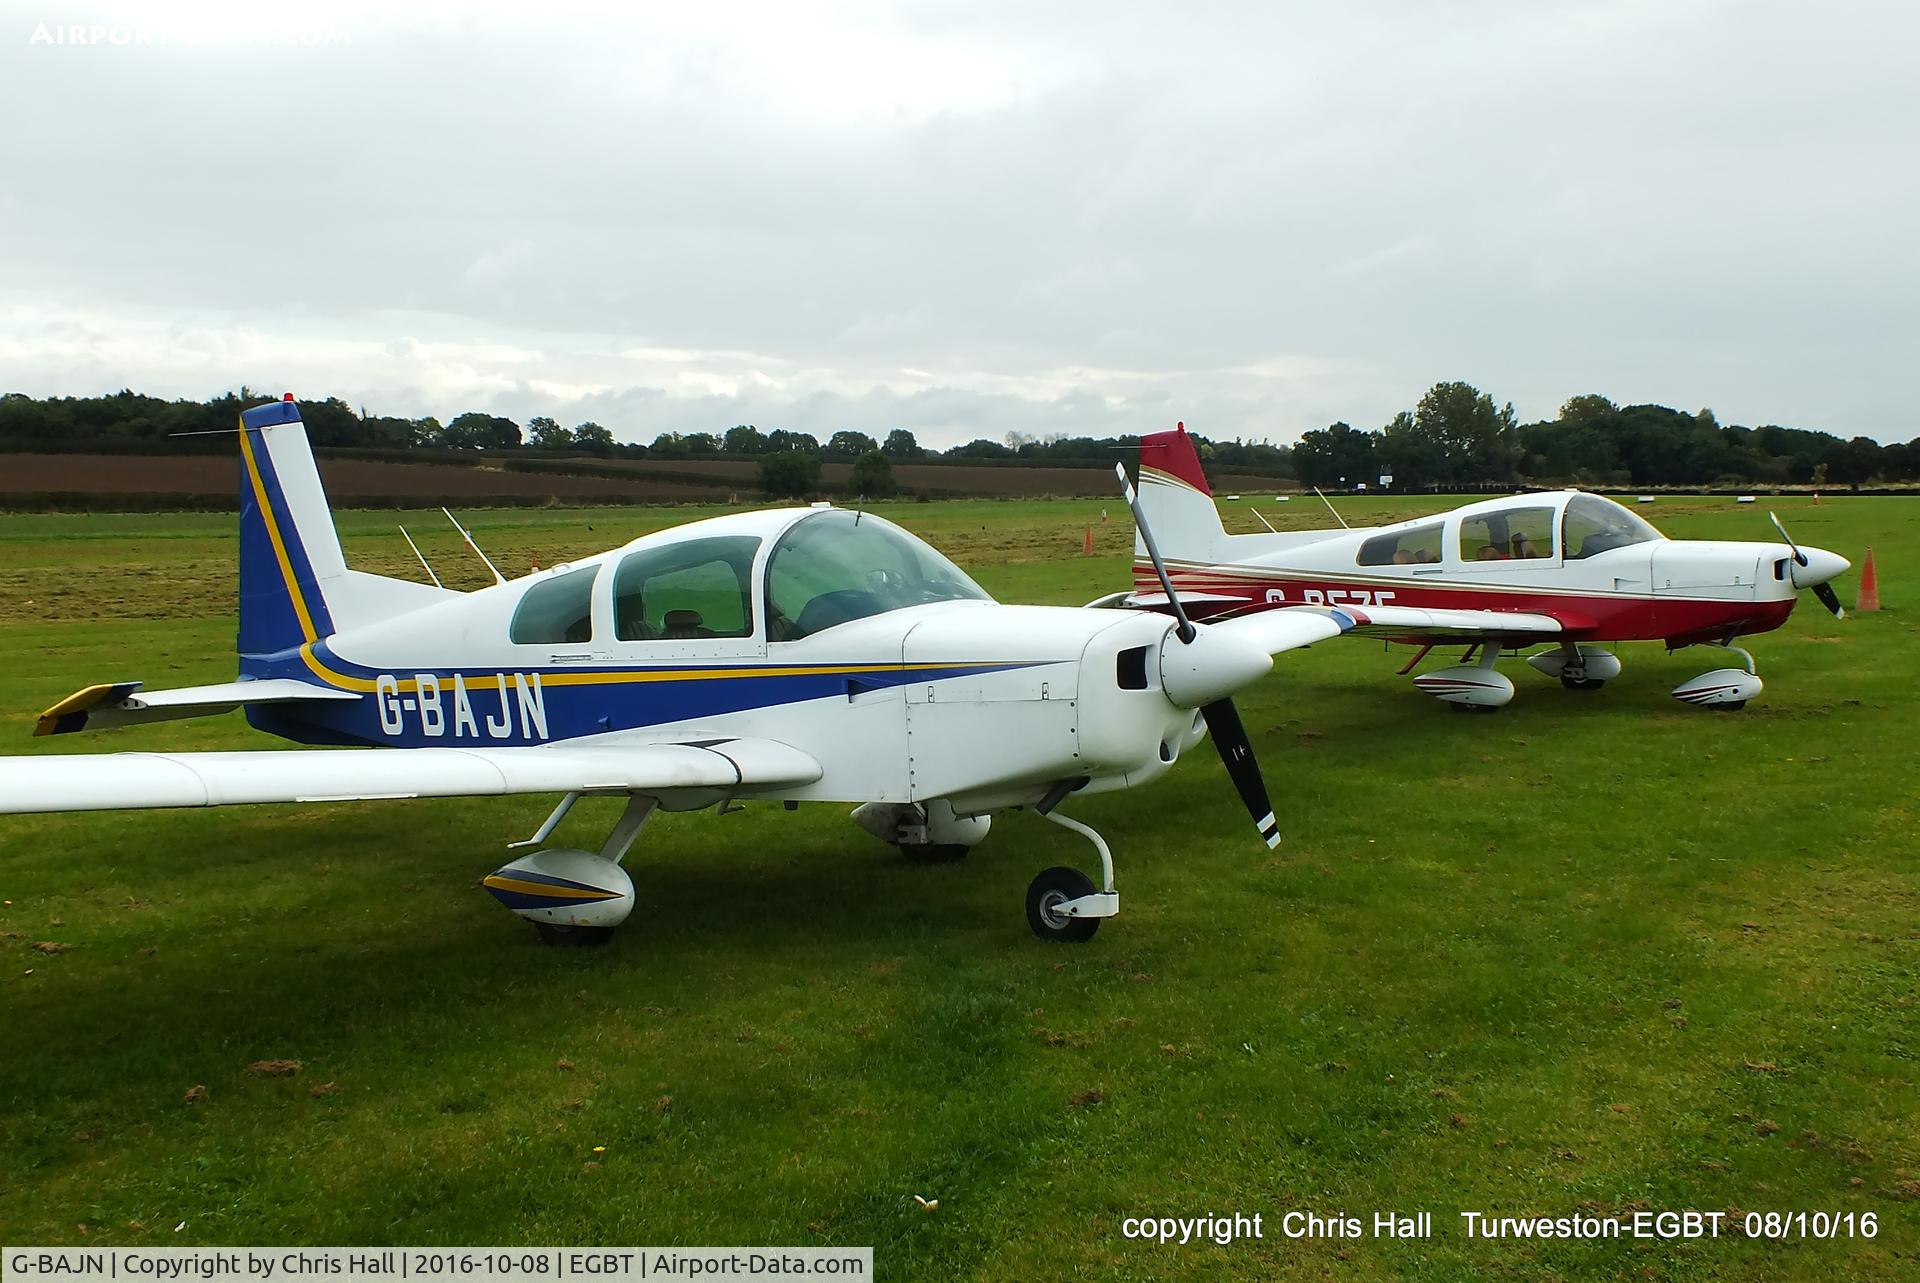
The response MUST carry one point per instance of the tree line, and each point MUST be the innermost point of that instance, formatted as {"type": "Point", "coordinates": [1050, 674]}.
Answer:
{"type": "Point", "coordinates": [128, 422]}
{"type": "Point", "coordinates": [1456, 437]}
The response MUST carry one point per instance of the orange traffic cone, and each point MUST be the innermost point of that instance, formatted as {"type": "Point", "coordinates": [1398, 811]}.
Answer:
{"type": "Point", "coordinates": [1869, 587]}
{"type": "Point", "coordinates": [536, 562]}
{"type": "Point", "coordinates": [1087, 550]}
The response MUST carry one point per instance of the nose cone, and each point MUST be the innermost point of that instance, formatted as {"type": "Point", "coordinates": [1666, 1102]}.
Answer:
{"type": "Point", "coordinates": [1212, 666]}
{"type": "Point", "coordinates": [1821, 566]}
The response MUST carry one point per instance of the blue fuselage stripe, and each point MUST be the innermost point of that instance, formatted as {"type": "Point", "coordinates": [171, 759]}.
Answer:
{"type": "Point", "coordinates": [480, 709]}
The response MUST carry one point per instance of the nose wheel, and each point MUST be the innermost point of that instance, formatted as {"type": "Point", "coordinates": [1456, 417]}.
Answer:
{"type": "Point", "coordinates": [1062, 903]}
{"type": "Point", "coordinates": [1047, 898]}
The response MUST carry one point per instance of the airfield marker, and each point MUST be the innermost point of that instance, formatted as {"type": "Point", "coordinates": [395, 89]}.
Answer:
{"type": "Point", "coordinates": [1869, 586]}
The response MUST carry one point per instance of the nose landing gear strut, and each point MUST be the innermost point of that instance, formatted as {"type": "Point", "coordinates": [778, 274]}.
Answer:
{"type": "Point", "coordinates": [1062, 903]}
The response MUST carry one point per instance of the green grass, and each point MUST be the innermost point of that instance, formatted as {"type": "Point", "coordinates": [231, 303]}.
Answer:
{"type": "Point", "coordinates": [1596, 953]}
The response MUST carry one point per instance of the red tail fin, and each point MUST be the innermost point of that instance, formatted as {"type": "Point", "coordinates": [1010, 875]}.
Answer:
{"type": "Point", "coordinates": [1172, 453]}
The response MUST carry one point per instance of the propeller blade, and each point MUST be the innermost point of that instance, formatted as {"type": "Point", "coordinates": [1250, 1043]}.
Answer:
{"type": "Point", "coordinates": [1830, 599]}
{"type": "Point", "coordinates": [1230, 737]}
{"type": "Point", "coordinates": [1798, 556]}
{"type": "Point", "coordinates": [1153, 551]}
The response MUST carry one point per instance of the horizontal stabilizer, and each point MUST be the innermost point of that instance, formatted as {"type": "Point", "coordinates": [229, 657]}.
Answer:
{"type": "Point", "coordinates": [124, 704]}
{"type": "Point", "coordinates": [128, 781]}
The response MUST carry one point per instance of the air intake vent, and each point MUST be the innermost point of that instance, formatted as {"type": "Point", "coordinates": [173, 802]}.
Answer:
{"type": "Point", "coordinates": [1130, 668]}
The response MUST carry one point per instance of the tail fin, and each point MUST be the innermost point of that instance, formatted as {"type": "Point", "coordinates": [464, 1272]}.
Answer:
{"type": "Point", "coordinates": [295, 586]}
{"type": "Point", "coordinates": [289, 550]}
{"type": "Point", "coordinates": [1176, 499]}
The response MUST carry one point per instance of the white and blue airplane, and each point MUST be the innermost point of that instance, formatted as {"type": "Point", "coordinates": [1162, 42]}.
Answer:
{"type": "Point", "coordinates": [796, 654]}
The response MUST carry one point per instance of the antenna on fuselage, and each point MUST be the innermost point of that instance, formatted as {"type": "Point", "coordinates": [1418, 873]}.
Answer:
{"type": "Point", "coordinates": [1330, 508]}
{"type": "Point", "coordinates": [422, 556]}
{"type": "Point", "coordinates": [467, 535]}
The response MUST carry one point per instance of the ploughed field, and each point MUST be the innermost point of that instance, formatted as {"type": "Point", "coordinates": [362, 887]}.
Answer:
{"type": "Point", "coordinates": [1593, 955]}
{"type": "Point", "coordinates": [534, 479]}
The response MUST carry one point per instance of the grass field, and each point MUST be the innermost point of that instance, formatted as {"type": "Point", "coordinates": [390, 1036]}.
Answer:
{"type": "Point", "coordinates": [1595, 954]}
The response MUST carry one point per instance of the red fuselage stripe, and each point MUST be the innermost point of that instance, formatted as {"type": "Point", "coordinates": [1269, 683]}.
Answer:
{"type": "Point", "coordinates": [1587, 615]}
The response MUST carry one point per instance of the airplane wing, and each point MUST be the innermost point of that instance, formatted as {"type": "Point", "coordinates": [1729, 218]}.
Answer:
{"type": "Point", "coordinates": [125, 781]}
{"type": "Point", "coordinates": [1287, 628]}
{"type": "Point", "coordinates": [1448, 625]}
{"type": "Point", "coordinates": [1399, 623]}
{"type": "Point", "coordinates": [1290, 627]}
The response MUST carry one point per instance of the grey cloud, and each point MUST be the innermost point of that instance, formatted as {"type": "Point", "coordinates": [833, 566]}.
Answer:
{"type": "Point", "coordinates": [1705, 204]}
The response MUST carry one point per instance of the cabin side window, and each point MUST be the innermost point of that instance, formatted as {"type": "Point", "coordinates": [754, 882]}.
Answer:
{"type": "Point", "coordinates": [686, 591]}
{"type": "Point", "coordinates": [1507, 534]}
{"type": "Point", "coordinates": [1417, 547]}
{"type": "Point", "coordinates": [556, 612]}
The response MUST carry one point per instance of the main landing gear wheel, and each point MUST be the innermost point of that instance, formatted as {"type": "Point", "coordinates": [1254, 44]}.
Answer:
{"type": "Point", "coordinates": [1580, 683]}
{"type": "Point", "coordinates": [933, 852]}
{"type": "Point", "coordinates": [560, 936]}
{"type": "Point", "coordinates": [573, 898]}
{"type": "Point", "coordinates": [1474, 708]}
{"type": "Point", "coordinates": [1046, 895]}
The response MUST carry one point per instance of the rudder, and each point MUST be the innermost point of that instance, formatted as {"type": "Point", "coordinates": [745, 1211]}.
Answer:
{"type": "Point", "coordinates": [1176, 499]}
{"type": "Point", "coordinates": [289, 550]}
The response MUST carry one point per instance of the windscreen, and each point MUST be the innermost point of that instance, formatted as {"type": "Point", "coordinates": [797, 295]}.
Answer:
{"type": "Point", "coordinates": [837, 566]}
{"type": "Point", "coordinates": [1596, 525]}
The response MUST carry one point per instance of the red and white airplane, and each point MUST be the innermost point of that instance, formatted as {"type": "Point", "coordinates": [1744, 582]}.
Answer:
{"type": "Point", "coordinates": [1560, 567]}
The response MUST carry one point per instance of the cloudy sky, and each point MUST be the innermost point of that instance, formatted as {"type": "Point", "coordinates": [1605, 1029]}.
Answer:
{"type": "Point", "coordinates": [968, 218]}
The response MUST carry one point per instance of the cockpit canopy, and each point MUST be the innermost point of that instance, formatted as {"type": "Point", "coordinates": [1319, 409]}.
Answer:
{"type": "Point", "coordinates": [827, 568]}
{"type": "Point", "coordinates": [835, 566]}
{"type": "Point", "coordinates": [1531, 528]}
